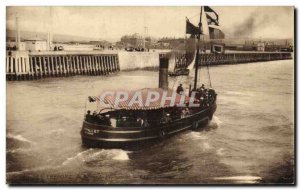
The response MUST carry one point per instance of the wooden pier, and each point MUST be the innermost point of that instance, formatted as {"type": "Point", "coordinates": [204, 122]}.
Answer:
{"type": "Point", "coordinates": [20, 66]}
{"type": "Point", "coordinates": [36, 65]}
{"type": "Point", "coordinates": [233, 58]}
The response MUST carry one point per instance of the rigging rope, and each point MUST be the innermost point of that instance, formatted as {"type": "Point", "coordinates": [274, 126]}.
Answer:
{"type": "Point", "coordinates": [196, 15]}
{"type": "Point", "coordinates": [174, 83]}
{"type": "Point", "coordinates": [86, 100]}
{"type": "Point", "coordinates": [208, 75]}
{"type": "Point", "coordinates": [180, 80]}
{"type": "Point", "coordinates": [199, 69]}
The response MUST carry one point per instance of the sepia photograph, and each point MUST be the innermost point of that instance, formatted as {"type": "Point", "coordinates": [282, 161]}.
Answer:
{"type": "Point", "coordinates": [150, 95]}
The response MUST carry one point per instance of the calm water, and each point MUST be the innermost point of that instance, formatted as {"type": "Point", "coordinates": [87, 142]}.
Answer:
{"type": "Point", "coordinates": [249, 140]}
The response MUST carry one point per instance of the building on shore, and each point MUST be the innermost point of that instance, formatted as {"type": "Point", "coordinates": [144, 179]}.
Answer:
{"type": "Point", "coordinates": [273, 45]}
{"type": "Point", "coordinates": [36, 44]}
{"type": "Point", "coordinates": [261, 46]}
{"type": "Point", "coordinates": [12, 45]}
{"type": "Point", "coordinates": [134, 40]}
{"type": "Point", "coordinates": [101, 44]}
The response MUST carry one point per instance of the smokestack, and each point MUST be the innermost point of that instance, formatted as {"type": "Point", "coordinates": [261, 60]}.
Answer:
{"type": "Point", "coordinates": [163, 72]}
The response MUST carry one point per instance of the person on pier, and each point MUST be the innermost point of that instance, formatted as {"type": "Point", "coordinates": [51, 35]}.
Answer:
{"type": "Point", "coordinates": [202, 87]}
{"type": "Point", "coordinates": [88, 116]}
{"type": "Point", "coordinates": [180, 89]}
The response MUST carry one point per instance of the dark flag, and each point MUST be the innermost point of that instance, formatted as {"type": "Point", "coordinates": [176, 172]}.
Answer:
{"type": "Point", "coordinates": [209, 10]}
{"type": "Point", "coordinates": [212, 21]}
{"type": "Point", "coordinates": [215, 33]}
{"type": "Point", "coordinates": [92, 99]}
{"type": "Point", "coordinates": [190, 28]}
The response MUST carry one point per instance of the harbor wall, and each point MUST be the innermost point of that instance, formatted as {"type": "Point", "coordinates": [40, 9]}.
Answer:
{"type": "Point", "coordinates": [24, 65]}
{"type": "Point", "coordinates": [138, 60]}
{"type": "Point", "coordinates": [149, 60]}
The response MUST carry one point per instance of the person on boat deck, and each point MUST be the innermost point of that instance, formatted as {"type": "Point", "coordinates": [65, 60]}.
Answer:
{"type": "Point", "coordinates": [107, 120]}
{"type": "Point", "coordinates": [94, 117]}
{"type": "Point", "coordinates": [95, 114]}
{"type": "Point", "coordinates": [201, 91]}
{"type": "Point", "coordinates": [145, 120]}
{"type": "Point", "coordinates": [185, 112]}
{"type": "Point", "coordinates": [140, 122]}
{"type": "Point", "coordinates": [212, 94]}
{"type": "Point", "coordinates": [175, 113]}
{"type": "Point", "coordinates": [179, 89]}
{"type": "Point", "coordinates": [202, 87]}
{"type": "Point", "coordinates": [167, 118]}
{"type": "Point", "coordinates": [123, 122]}
{"type": "Point", "coordinates": [205, 102]}
{"type": "Point", "coordinates": [88, 116]}
{"type": "Point", "coordinates": [145, 124]}
{"type": "Point", "coordinates": [202, 102]}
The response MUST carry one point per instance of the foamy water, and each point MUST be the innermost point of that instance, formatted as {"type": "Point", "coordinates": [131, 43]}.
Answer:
{"type": "Point", "coordinates": [249, 139]}
{"type": "Point", "coordinates": [95, 154]}
{"type": "Point", "coordinates": [216, 120]}
{"type": "Point", "coordinates": [18, 138]}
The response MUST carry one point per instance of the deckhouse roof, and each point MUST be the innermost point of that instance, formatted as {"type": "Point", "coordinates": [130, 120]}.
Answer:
{"type": "Point", "coordinates": [143, 99]}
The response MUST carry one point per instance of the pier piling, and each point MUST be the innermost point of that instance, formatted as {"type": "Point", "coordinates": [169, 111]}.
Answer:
{"type": "Point", "coordinates": [22, 65]}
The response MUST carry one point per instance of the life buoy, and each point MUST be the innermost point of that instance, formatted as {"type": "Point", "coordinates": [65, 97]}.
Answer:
{"type": "Point", "coordinates": [195, 125]}
{"type": "Point", "coordinates": [162, 134]}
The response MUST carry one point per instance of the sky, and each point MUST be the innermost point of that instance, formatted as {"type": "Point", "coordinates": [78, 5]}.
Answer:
{"type": "Point", "coordinates": [113, 22]}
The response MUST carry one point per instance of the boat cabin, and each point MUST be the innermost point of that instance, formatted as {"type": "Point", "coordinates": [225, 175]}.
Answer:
{"type": "Point", "coordinates": [142, 113]}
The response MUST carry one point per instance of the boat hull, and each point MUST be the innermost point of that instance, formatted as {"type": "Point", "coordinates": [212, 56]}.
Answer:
{"type": "Point", "coordinates": [94, 135]}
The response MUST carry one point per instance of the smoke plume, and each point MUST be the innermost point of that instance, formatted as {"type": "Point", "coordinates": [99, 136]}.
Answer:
{"type": "Point", "coordinates": [257, 20]}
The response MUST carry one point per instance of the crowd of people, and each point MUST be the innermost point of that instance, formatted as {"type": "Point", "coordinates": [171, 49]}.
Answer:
{"type": "Point", "coordinates": [206, 96]}
{"type": "Point", "coordinates": [97, 118]}
{"type": "Point", "coordinates": [129, 120]}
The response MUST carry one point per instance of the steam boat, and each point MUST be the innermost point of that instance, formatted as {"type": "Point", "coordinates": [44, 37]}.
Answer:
{"type": "Point", "coordinates": [132, 119]}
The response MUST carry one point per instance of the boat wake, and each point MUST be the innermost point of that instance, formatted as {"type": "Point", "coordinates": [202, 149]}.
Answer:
{"type": "Point", "coordinates": [120, 154]}
{"type": "Point", "coordinates": [19, 138]}
{"type": "Point", "coordinates": [197, 136]}
{"type": "Point", "coordinates": [78, 157]}
{"type": "Point", "coordinates": [37, 169]}
{"type": "Point", "coordinates": [205, 146]}
{"type": "Point", "coordinates": [19, 150]}
{"type": "Point", "coordinates": [216, 120]}
{"type": "Point", "coordinates": [85, 156]}
{"type": "Point", "coordinates": [98, 155]}
{"type": "Point", "coordinates": [201, 140]}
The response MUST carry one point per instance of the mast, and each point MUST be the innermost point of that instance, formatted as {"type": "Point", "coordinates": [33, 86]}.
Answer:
{"type": "Point", "coordinates": [198, 52]}
{"type": "Point", "coordinates": [50, 31]}
{"type": "Point", "coordinates": [18, 36]}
